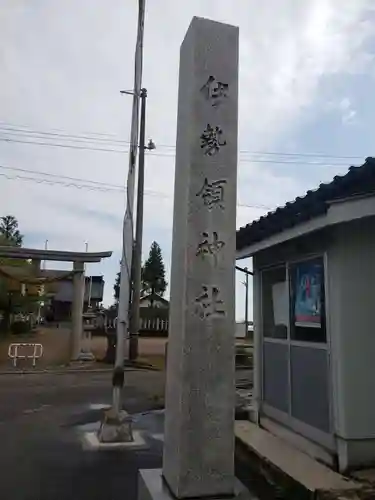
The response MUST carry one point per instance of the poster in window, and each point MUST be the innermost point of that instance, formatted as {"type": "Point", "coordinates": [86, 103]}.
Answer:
{"type": "Point", "coordinates": [308, 294]}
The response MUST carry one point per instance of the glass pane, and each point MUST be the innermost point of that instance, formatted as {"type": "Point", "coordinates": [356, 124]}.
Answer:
{"type": "Point", "coordinates": [275, 303]}
{"type": "Point", "coordinates": [307, 301]}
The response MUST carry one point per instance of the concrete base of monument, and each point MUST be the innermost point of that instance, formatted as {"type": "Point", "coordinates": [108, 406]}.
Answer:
{"type": "Point", "coordinates": [151, 486]}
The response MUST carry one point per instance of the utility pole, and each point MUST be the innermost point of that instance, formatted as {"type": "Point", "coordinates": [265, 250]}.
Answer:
{"type": "Point", "coordinates": [127, 235]}
{"type": "Point", "coordinates": [45, 248]}
{"type": "Point", "coordinates": [247, 304]}
{"type": "Point", "coordinates": [246, 283]}
{"type": "Point", "coordinates": [137, 255]}
{"type": "Point", "coordinates": [42, 289]}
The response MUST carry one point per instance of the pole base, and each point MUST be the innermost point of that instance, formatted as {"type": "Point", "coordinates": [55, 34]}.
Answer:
{"type": "Point", "coordinates": [116, 427]}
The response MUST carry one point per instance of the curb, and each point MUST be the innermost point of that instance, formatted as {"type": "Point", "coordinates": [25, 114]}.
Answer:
{"type": "Point", "coordinates": [64, 371]}
{"type": "Point", "coordinates": [58, 371]}
{"type": "Point", "coordinates": [268, 480]}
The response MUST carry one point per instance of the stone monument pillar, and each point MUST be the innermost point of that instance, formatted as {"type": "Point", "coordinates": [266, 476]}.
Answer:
{"type": "Point", "coordinates": [77, 309]}
{"type": "Point", "coordinates": [200, 390]}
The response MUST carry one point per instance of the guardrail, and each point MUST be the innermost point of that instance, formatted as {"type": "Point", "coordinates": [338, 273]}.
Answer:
{"type": "Point", "coordinates": [13, 352]}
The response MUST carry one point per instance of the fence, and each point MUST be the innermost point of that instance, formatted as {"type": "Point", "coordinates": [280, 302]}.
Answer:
{"type": "Point", "coordinates": [154, 326]}
{"type": "Point", "coordinates": [36, 352]}
{"type": "Point", "coordinates": [150, 324]}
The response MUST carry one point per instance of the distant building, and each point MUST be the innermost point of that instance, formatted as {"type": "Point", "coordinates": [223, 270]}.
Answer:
{"type": "Point", "coordinates": [154, 300]}
{"type": "Point", "coordinates": [59, 303]}
{"type": "Point", "coordinates": [154, 315]}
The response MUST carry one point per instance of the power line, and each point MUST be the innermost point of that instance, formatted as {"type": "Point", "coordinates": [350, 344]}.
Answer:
{"type": "Point", "coordinates": [85, 137]}
{"type": "Point", "coordinates": [71, 137]}
{"type": "Point", "coordinates": [308, 155]}
{"type": "Point", "coordinates": [59, 176]}
{"type": "Point", "coordinates": [69, 146]}
{"type": "Point", "coordinates": [27, 127]}
{"type": "Point", "coordinates": [76, 181]}
{"type": "Point", "coordinates": [79, 183]}
{"type": "Point", "coordinates": [56, 182]}
{"type": "Point", "coordinates": [167, 155]}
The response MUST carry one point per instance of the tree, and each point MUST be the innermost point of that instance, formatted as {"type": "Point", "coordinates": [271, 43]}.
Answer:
{"type": "Point", "coordinates": [10, 300]}
{"type": "Point", "coordinates": [116, 288]}
{"type": "Point", "coordinates": [9, 230]}
{"type": "Point", "coordinates": [152, 275]}
{"type": "Point", "coordinates": [153, 272]}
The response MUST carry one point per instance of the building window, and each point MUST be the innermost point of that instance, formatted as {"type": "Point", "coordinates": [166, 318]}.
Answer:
{"type": "Point", "coordinates": [307, 301]}
{"type": "Point", "coordinates": [275, 303]}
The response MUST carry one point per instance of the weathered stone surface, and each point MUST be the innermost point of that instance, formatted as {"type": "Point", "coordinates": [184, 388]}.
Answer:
{"type": "Point", "coordinates": [152, 487]}
{"type": "Point", "coordinates": [200, 389]}
{"type": "Point", "coordinates": [115, 428]}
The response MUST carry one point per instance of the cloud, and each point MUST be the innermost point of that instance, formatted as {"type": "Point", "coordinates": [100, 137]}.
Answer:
{"type": "Point", "coordinates": [63, 64]}
{"type": "Point", "coordinates": [345, 108]}
{"type": "Point", "coordinates": [348, 113]}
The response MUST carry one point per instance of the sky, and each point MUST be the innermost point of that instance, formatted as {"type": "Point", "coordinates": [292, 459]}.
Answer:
{"type": "Point", "coordinates": [306, 109]}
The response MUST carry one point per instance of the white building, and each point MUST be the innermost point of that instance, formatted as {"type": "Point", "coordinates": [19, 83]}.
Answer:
{"type": "Point", "coordinates": [314, 341]}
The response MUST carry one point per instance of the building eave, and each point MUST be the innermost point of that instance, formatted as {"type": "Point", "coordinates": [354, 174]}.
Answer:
{"type": "Point", "coordinates": [339, 211]}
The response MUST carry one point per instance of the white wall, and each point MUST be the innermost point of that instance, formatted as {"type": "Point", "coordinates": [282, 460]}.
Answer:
{"type": "Point", "coordinates": [351, 303]}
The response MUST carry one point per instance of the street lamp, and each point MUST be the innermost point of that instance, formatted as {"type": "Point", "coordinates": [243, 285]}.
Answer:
{"type": "Point", "coordinates": [151, 145]}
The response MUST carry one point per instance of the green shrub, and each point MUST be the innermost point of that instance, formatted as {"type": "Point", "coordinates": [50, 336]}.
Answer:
{"type": "Point", "coordinates": [19, 327]}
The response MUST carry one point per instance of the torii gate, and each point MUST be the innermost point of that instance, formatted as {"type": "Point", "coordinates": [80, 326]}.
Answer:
{"type": "Point", "coordinates": [79, 259]}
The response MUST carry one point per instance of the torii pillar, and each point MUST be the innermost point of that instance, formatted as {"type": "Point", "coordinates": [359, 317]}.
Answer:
{"type": "Point", "coordinates": [77, 309]}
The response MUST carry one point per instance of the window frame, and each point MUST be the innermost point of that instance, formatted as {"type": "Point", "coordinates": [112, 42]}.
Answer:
{"type": "Point", "coordinates": [323, 297]}
{"type": "Point", "coordinates": [280, 265]}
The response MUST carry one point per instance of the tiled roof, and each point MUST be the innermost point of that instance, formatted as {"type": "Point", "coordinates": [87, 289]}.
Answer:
{"type": "Point", "coordinates": [155, 297]}
{"type": "Point", "coordinates": [357, 181]}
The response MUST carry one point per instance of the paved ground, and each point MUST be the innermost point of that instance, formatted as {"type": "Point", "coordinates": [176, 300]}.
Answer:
{"type": "Point", "coordinates": [42, 418]}
{"type": "Point", "coordinates": [55, 343]}
{"type": "Point", "coordinates": [41, 456]}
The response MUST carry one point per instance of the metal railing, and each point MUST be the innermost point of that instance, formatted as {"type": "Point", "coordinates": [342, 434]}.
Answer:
{"type": "Point", "coordinates": [36, 353]}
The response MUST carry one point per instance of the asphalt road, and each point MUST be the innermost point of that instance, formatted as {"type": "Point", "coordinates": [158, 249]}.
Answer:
{"type": "Point", "coordinates": [41, 455]}
{"type": "Point", "coordinates": [42, 418]}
